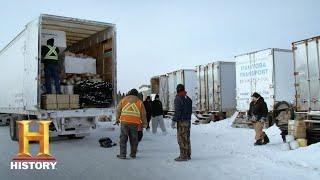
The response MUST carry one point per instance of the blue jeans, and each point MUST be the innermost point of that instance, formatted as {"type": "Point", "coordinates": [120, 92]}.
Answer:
{"type": "Point", "coordinates": [51, 72]}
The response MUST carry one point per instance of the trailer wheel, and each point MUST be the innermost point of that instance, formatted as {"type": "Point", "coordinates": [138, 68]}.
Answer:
{"type": "Point", "coordinates": [13, 129]}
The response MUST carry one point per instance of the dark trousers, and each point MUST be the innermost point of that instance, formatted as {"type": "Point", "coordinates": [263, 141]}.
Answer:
{"type": "Point", "coordinates": [51, 72]}
{"type": "Point", "coordinates": [128, 131]}
{"type": "Point", "coordinates": [183, 136]}
{"type": "Point", "coordinates": [140, 135]}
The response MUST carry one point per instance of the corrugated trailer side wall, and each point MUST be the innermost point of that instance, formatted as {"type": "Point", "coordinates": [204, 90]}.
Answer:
{"type": "Point", "coordinates": [172, 81]}
{"type": "Point", "coordinates": [19, 71]}
{"type": "Point", "coordinates": [163, 92]}
{"type": "Point", "coordinates": [307, 74]}
{"type": "Point", "coordinates": [190, 82]}
{"type": "Point", "coordinates": [284, 76]}
{"type": "Point", "coordinates": [228, 86]}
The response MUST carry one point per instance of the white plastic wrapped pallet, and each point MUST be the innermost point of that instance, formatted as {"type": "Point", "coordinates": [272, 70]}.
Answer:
{"type": "Point", "coordinates": [58, 36]}
{"type": "Point", "coordinates": [80, 65]}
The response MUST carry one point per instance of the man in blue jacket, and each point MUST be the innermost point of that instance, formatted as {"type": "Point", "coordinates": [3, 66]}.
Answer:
{"type": "Point", "coordinates": [182, 116]}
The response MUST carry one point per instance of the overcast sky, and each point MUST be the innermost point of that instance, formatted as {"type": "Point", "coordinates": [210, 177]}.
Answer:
{"type": "Point", "coordinates": [156, 37]}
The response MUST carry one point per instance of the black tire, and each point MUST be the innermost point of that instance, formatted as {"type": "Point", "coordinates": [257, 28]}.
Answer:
{"type": "Point", "coordinates": [13, 129]}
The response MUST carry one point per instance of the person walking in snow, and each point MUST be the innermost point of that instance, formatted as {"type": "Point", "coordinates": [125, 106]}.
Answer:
{"type": "Point", "coordinates": [157, 115]}
{"type": "Point", "coordinates": [258, 114]}
{"type": "Point", "coordinates": [147, 105]}
{"type": "Point", "coordinates": [182, 117]}
{"type": "Point", "coordinates": [131, 114]}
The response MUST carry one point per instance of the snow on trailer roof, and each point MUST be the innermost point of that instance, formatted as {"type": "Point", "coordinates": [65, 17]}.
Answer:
{"type": "Point", "coordinates": [76, 29]}
{"type": "Point", "coordinates": [253, 52]}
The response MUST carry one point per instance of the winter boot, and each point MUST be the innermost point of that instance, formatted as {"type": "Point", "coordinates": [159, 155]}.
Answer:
{"type": "Point", "coordinates": [265, 139]}
{"type": "Point", "coordinates": [258, 143]}
{"type": "Point", "coordinates": [121, 157]}
{"type": "Point", "coordinates": [179, 159]}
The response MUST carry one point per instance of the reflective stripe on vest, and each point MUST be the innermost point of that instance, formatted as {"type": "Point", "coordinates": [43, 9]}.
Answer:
{"type": "Point", "coordinates": [130, 112]}
{"type": "Point", "coordinates": [52, 53]}
{"type": "Point", "coordinates": [130, 109]}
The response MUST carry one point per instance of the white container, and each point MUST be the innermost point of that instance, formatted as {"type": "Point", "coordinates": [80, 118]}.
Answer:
{"type": "Point", "coordinates": [68, 89]}
{"type": "Point", "coordinates": [289, 138]}
{"type": "Point", "coordinates": [307, 72]}
{"type": "Point", "coordinates": [294, 145]}
{"type": "Point", "coordinates": [268, 72]}
{"type": "Point", "coordinates": [216, 87]}
{"type": "Point", "coordinates": [20, 74]}
{"type": "Point", "coordinates": [187, 77]}
{"type": "Point", "coordinates": [285, 147]}
{"type": "Point", "coordinates": [159, 85]}
{"type": "Point", "coordinates": [80, 65]}
{"type": "Point", "coordinates": [58, 36]}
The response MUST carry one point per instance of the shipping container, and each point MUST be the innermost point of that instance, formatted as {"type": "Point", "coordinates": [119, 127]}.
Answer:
{"type": "Point", "coordinates": [159, 85]}
{"type": "Point", "coordinates": [188, 78]}
{"type": "Point", "coordinates": [21, 75]}
{"type": "Point", "coordinates": [268, 72]}
{"type": "Point", "coordinates": [307, 74]}
{"type": "Point", "coordinates": [307, 85]}
{"type": "Point", "coordinates": [216, 87]}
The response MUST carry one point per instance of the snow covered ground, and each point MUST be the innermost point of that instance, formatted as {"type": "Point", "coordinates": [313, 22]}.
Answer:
{"type": "Point", "coordinates": [218, 152]}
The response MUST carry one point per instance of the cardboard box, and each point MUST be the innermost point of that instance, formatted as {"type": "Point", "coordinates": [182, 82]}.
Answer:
{"type": "Point", "coordinates": [300, 130]}
{"type": "Point", "coordinates": [79, 65]}
{"type": "Point", "coordinates": [60, 101]}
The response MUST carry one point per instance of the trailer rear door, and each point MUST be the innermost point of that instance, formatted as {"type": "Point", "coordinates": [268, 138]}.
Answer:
{"type": "Point", "coordinates": [31, 62]}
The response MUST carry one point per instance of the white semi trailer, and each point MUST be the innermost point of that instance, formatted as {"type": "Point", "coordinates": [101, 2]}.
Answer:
{"type": "Point", "coordinates": [270, 73]}
{"type": "Point", "coordinates": [216, 89]}
{"type": "Point", "coordinates": [20, 74]}
{"type": "Point", "coordinates": [306, 55]}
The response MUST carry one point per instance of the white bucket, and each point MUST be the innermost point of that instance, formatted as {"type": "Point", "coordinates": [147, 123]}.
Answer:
{"type": "Point", "coordinates": [285, 147]}
{"type": "Point", "coordinates": [294, 145]}
{"type": "Point", "coordinates": [289, 138]}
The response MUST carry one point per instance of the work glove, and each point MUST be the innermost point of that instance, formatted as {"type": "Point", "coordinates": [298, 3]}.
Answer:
{"type": "Point", "coordinates": [263, 120]}
{"type": "Point", "coordinates": [117, 123]}
{"type": "Point", "coordinates": [173, 124]}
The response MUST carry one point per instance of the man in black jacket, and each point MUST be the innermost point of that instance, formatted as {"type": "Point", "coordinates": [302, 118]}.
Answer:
{"type": "Point", "coordinates": [157, 115]}
{"type": "Point", "coordinates": [147, 105]}
{"type": "Point", "coordinates": [182, 116]}
{"type": "Point", "coordinates": [258, 114]}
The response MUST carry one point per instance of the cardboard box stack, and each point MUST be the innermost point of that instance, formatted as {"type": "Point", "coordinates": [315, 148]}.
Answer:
{"type": "Point", "coordinates": [60, 101]}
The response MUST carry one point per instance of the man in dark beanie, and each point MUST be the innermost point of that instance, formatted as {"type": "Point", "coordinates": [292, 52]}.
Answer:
{"type": "Point", "coordinates": [258, 114]}
{"type": "Point", "coordinates": [182, 116]}
{"type": "Point", "coordinates": [147, 105]}
{"type": "Point", "coordinates": [132, 115]}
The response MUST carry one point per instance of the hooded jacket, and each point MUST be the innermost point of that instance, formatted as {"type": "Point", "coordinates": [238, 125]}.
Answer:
{"type": "Point", "coordinates": [182, 108]}
{"type": "Point", "coordinates": [259, 109]}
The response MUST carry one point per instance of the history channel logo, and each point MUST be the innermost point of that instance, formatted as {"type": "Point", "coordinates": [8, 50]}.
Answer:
{"type": "Point", "coordinates": [23, 159]}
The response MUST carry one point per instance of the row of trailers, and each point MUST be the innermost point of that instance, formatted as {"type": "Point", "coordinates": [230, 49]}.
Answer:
{"type": "Point", "coordinates": [288, 80]}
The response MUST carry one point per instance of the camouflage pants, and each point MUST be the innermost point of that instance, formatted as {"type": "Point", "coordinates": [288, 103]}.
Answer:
{"type": "Point", "coordinates": [183, 136]}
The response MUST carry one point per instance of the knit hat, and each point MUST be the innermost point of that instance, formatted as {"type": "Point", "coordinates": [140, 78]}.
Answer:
{"type": "Point", "coordinates": [256, 95]}
{"type": "Point", "coordinates": [180, 87]}
{"type": "Point", "coordinates": [133, 92]}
